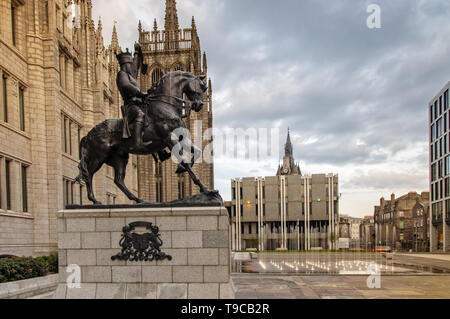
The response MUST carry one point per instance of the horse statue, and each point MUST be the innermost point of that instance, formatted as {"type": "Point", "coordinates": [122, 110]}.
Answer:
{"type": "Point", "coordinates": [163, 105]}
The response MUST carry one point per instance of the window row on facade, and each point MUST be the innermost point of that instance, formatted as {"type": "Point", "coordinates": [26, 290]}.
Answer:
{"type": "Point", "coordinates": [70, 136]}
{"type": "Point", "coordinates": [13, 101]}
{"type": "Point", "coordinates": [439, 107]}
{"type": "Point", "coordinates": [263, 193]}
{"type": "Point", "coordinates": [438, 212]}
{"type": "Point", "coordinates": [13, 186]}
{"type": "Point", "coordinates": [303, 209]}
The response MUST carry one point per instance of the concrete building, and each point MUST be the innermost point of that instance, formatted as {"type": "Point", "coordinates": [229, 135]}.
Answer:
{"type": "Point", "coordinates": [174, 49]}
{"type": "Point", "coordinates": [288, 212]}
{"type": "Point", "coordinates": [57, 82]}
{"type": "Point", "coordinates": [394, 220]}
{"type": "Point", "coordinates": [439, 117]}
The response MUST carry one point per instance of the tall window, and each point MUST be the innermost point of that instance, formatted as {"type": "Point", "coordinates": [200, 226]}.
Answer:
{"type": "Point", "coordinates": [13, 24]}
{"type": "Point", "coordinates": [8, 184]}
{"type": "Point", "coordinates": [157, 74]}
{"type": "Point", "coordinates": [81, 194]}
{"type": "Point", "coordinates": [24, 190]}
{"type": "Point", "coordinates": [70, 137]}
{"type": "Point", "coordinates": [65, 134]}
{"type": "Point", "coordinates": [5, 99]}
{"type": "Point", "coordinates": [446, 100]}
{"type": "Point", "coordinates": [68, 191]}
{"type": "Point", "coordinates": [21, 109]}
{"type": "Point", "coordinates": [62, 71]}
{"type": "Point", "coordinates": [181, 191]}
{"type": "Point", "coordinates": [159, 193]}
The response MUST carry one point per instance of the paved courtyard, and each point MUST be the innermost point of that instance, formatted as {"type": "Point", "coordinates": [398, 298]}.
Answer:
{"type": "Point", "coordinates": [326, 276]}
{"type": "Point", "coordinates": [256, 286]}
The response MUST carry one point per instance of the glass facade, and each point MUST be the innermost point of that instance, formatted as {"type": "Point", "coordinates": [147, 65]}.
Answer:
{"type": "Point", "coordinates": [439, 156]}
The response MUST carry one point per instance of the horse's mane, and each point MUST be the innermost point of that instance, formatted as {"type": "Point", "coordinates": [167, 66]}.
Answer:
{"type": "Point", "coordinates": [157, 87]}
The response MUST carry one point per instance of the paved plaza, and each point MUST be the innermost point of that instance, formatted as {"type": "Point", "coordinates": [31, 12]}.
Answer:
{"type": "Point", "coordinates": [327, 276]}
{"type": "Point", "coordinates": [255, 286]}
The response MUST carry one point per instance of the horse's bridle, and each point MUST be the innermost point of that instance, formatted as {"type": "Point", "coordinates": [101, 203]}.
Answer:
{"type": "Point", "coordinates": [159, 96]}
{"type": "Point", "coordinates": [156, 97]}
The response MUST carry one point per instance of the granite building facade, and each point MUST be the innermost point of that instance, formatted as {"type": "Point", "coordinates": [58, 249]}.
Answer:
{"type": "Point", "coordinates": [57, 82]}
{"type": "Point", "coordinates": [397, 224]}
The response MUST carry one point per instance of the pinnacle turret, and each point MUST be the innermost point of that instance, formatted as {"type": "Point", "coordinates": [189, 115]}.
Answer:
{"type": "Point", "coordinates": [171, 16]}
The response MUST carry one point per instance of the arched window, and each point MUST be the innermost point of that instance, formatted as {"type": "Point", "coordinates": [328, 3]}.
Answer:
{"type": "Point", "coordinates": [178, 67]}
{"type": "Point", "coordinates": [157, 74]}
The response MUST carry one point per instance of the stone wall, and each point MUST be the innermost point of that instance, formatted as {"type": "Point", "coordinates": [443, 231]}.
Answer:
{"type": "Point", "coordinates": [196, 238]}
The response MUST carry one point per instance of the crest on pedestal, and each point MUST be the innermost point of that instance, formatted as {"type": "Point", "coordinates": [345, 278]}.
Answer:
{"type": "Point", "coordinates": [138, 246]}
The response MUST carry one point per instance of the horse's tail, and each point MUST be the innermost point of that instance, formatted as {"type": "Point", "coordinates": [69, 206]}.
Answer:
{"type": "Point", "coordinates": [84, 159]}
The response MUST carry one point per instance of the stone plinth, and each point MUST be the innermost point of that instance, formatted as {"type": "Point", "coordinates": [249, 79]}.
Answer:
{"type": "Point", "coordinates": [196, 238]}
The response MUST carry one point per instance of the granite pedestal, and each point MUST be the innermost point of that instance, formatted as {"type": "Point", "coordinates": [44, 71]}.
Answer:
{"type": "Point", "coordinates": [197, 239]}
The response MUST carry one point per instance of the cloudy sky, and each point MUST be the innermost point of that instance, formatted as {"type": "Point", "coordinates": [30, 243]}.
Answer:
{"type": "Point", "coordinates": [355, 98]}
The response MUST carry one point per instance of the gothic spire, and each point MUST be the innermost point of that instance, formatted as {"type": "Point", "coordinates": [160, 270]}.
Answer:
{"type": "Point", "coordinates": [115, 40]}
{"type": "Point", "coordinates": [140, 27]}
{"type": "Point", "coordinates": [288, 149]}
{"type": "Point", "coordinates": [171, 16]}
{"type": "Point", "coordinates": [205, 64]}
{"type": "Point", "coordinates": [100, 26]}
{"type": "Point", "coordinates": [194, 26]}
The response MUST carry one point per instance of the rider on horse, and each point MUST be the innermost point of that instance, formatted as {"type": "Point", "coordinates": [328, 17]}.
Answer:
{"type": "Point", "coordinates": [132, 96]}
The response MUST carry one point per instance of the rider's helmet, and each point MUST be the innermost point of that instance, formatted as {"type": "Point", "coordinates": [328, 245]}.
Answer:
{"type": "Point", "coordinates": [124, 57]}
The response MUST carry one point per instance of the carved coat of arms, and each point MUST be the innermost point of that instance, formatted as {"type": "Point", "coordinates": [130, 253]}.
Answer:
{"type": "Point", "coordinates": [141, 246]}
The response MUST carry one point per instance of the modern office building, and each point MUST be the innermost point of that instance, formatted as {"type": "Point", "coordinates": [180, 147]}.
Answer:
{"type": "Point", "coordinates": [289, 211]}
{"type": "Point", "coordinates": [439, 117]}
{"type": "Point", "coordinates": [394, 220]}
{"type": "Point", "coordinates": [57, 80]}
{"type": "Point", "coordinates": [167, 50]}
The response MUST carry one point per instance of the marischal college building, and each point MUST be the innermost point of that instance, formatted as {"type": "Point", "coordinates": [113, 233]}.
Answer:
{"type": "Point", "coordinates": [289, 211]}
{"type": "Point", "coordinates": [57, 81]}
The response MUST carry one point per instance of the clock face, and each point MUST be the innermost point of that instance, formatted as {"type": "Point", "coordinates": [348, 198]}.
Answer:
{"type": "Point", "coordinates": [285, 171]}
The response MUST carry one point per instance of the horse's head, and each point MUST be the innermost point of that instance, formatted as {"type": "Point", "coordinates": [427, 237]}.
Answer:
{"type": "Point", "coordinates": [194, 89]}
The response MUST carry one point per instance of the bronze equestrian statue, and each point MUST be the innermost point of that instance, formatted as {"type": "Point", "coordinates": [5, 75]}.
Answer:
{"type": "Point", "coordinates": [150, 120]}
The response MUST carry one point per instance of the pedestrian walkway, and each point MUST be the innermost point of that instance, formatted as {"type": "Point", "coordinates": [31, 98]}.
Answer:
{"type": "Point", "coordinates": [445, 257]}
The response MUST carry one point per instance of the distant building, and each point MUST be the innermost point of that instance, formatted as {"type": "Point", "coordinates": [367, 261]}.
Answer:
{"type": "Point", "coordinates": [439, 116]}
{"type": "Point", "coordinates": [367, 233]}
{"type": "Point", "coordinates": [394, 219]}
{"type": "Point", "coordinates": [289, 211]}
{"type": "Point", "coordinates": [344, 227]}
{"type": "Point", "coordinates": [353, 223]}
